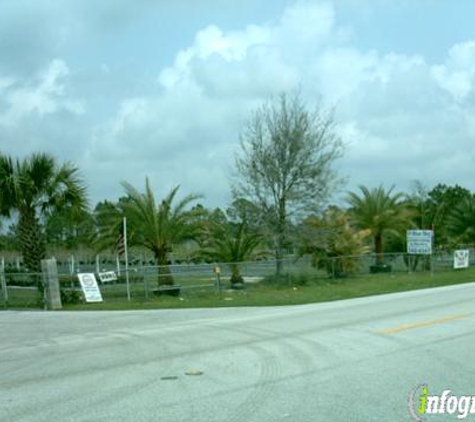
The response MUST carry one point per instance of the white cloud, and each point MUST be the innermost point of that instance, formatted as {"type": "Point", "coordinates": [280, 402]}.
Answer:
{"type": "Point", "coordinates": [307, 27]}
{"type": "Point", "coordinates": [402, 116]}
{"type": "Point", "coordinates": [258, 60]}
{"type": "Point", "coordinates": [457, 75]}
{"type": "Point", "coordinates": [45, 95]}
{"type": "Point", "coordinates": [212, 43]}
{"type": "Point", "coordinates": [399, 114]}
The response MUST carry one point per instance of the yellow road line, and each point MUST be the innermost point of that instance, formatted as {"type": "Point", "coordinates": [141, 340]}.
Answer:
{"type": "Point", "coordinates": [422, 324]}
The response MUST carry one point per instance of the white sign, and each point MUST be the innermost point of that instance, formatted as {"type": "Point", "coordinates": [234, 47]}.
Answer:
{"type": "Point", "coordinates": [90, 287]}
{"type": "Point", "coordinates": [107, 276]}
{"type": "Point", "coordinates": [461, 258]}
{"type": "Point", "coordinates": [419, 242]}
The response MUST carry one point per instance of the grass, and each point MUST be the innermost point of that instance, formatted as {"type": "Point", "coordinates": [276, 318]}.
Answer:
{"type": "Point", "coordinates": [269, 293]}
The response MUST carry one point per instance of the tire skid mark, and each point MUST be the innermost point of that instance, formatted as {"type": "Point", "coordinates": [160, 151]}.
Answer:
{"type": "Point", "coordinates": [293, 349]}
{"type": "Point", "coordinates": [256, 399]}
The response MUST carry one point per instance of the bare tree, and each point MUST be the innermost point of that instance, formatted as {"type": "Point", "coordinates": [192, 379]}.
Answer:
{"type": "Point", "coordinates": [285, 164]}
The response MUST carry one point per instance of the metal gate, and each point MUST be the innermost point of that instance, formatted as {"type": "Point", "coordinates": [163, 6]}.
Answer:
{"type": "Point", "coordinates": [20, 289]}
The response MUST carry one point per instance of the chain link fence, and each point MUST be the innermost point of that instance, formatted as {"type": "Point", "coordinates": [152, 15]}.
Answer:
{"type": "Point", "coordinates": [20, 289]}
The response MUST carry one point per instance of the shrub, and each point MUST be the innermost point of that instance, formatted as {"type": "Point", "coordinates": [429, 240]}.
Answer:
{"type": "Point", "coordinates": [289, 279]}
{"type": "Point", "coordinates": [70, 296]}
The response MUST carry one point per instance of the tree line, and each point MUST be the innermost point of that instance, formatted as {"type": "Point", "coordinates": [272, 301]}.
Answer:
{"type": "Point", "coordinates": [284, 180]}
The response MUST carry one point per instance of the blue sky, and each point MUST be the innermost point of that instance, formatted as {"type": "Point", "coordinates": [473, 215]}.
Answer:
{"type": "Point", "coordinates": [128, 89]}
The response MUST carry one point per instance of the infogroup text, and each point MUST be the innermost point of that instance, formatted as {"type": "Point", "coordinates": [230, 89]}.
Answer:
{"type": "Point", "coordinates": [422, 403]}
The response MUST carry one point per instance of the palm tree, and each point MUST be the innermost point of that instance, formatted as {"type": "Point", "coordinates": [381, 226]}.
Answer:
{"type": "Point", "coordinates": [156, 227]}
{"type": "Point", "coordinates": [381, 212]}
{"type": "Point", "coordinates": [230, 244]}
{"type": "Point", "coordinates": [461, 220]}
{"type": "Point", "coordinates": [333, 242]}
{"type": "Point", "coordinates": [34, 187]}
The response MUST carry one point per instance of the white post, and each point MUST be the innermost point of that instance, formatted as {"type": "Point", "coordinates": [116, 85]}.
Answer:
{"type": "Point", "coordinates": [98, 269]}
{"type": "Point", "coordinates": [117, 262]}
{"type": "Point", "coordinates": [72, 265]}
{"type": "Point", "coordinates": [3, 281]}
{"type": "Point", "coordinates": [126, 259]}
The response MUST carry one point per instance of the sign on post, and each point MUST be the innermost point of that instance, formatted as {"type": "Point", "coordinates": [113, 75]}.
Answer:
{"type": "Point", "coordinates": [89, 287]}
{"type": "Point", "coordinates": [419, 242]}
{"type": "Point", "coordinates": [107, 276]}
{"type": "Point", "coordinates": [461, 258]}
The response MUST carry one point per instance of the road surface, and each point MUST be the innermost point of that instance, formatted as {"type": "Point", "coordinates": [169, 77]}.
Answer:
{"type": "Point", "coordinates": [353, 360]}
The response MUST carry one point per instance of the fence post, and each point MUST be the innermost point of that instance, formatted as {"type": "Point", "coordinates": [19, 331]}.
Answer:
{"type": "Point", "coordinates": [51, 283]}
{"type": "Point", "coordinates": [117, 263]}
{"type": "Point", "coordinates": [145, 283]}
{"type": "Point", "coordinates": [3, 281]}
{"type": "Point", "coordinates": [217, 279]}
{"type": "Point", "coordinates": [71, 264]}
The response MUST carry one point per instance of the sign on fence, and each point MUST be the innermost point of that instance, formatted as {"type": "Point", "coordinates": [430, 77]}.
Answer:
{"type": "Point", "coordinates": [419, 242]}
{"type": "Point", "coordinates": [107, 276]}
{"type": "Point", "coordinates": [461, 258]}
{"type": "Point", "coordinates": [89, 287]}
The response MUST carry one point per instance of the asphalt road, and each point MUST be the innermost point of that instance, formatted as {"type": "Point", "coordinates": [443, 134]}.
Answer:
{"type": "Point", "coordinates": [354, 360]}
